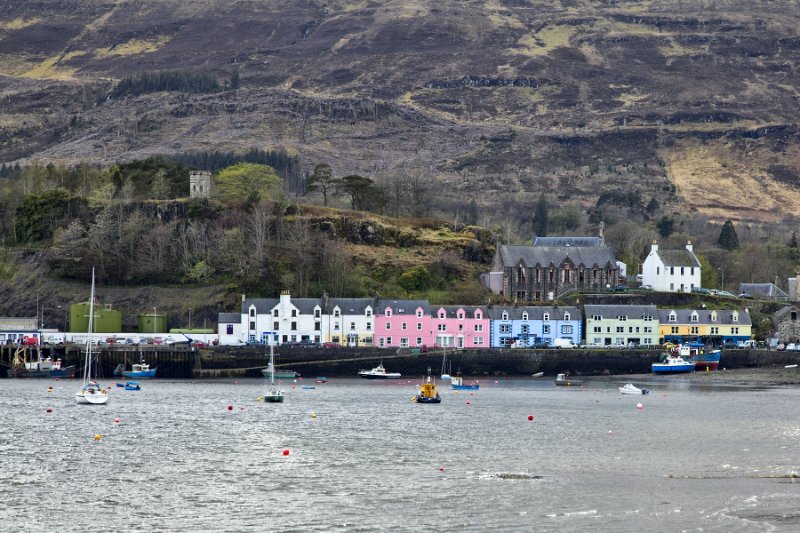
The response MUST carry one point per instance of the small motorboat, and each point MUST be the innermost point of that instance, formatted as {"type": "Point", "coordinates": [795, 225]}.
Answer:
{"type": "Point", "coordinates": [630, 388]}
{"type": "Point", "coordinates": [673, 364]}
{"type": "Point", "coordinates": [132, 385]}
{"type": "Point", "coordinates": [562, 380]}
{"type": "Point", "coordinates": [321, 379]}
{"type": "Point", "coordinates": [309, 387]}
{"type": "Point", "coordinates": [458, 384]}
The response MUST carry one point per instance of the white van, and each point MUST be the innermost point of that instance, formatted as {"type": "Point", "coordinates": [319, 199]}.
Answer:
{"type": "Point", "coordinates": [562, 343]}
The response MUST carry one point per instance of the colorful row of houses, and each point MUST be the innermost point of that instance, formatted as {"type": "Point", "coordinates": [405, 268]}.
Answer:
{"type": "Point", "coordinates": [387, 323]}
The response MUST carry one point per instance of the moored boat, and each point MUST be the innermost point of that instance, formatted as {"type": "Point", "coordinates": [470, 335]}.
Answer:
{"type": "Point", "coordinates": [458, 384]}
{"type": "Point", "coordinates": [274, 394]}
{"type": "Point", "coordinates": [428, 393]}
{"type": "Point", "coordinates": [39, 367]}
{"type": "Point", "coordinates": [90, 392]}
{"type": "Point", "coordinates": [378, 373]}
{"type": "Point", "coordinates": [140, 370]}
{"type": "Point", "coordinates": [630, 388]}
{"type": "Point", "coordinates": [279, 374]}
{"type": "Point", "coordinates": [672, 364]}
{"type": "Point", "coordinates": [562, 380]}
{"type": "Point", "coordinates": [694, 353]}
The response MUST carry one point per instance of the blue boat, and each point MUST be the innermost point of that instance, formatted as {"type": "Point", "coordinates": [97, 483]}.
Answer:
{"type": "Point", "coordinates": [458, 384]}
{"type": "Point", "coordinates": [140, 370]}
{"type": "Point", "coordinates": [672, 364]}
{"type": "Point", "coordinates": [130, 385]}
{"type": "Point", "coordinates": [694, 353]}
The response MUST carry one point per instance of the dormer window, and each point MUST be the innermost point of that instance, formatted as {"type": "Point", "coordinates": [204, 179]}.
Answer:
{"type": "Point", "coordinates": [388, 312]}
{"type": "Point", "coordinates": [694, 317]}
{"type": "Point", "coordinates": [546, 316]}
{"type": "Point", "coordinates": [316, 313]}
{"type": "Point", "coordinates": [478, 315]}
{"type": "Point", "coordinates": [419, 313]}
{"type": "Point", "coordinates": [368, 312]}
{"type": "Point", "coordinates": [252, 311]}
{"type": "Point", "coordinates": [336, 312]}
{"type": "Point", "coordinates": [735, 316]}
{"type": "Point", "coordinates": [673, 317]}
{"type": "Point", "coordinates": [441, 315]}
{"type": "Point", "coordinates": [566, 316]}
{"type": "Point", "coordinates": [713, 316]}
{"type": "Point", "coordinates": [525, 316]}
{"type": "Point", "coordinates": [461, 315]}
{"type": "Point", "coordinates": [505, 315]}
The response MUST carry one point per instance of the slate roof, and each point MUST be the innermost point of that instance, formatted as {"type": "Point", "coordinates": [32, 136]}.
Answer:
{"type": "Point", "coordinates": [613, 311]}
{"type": "Point", "coordinates": [568, 241]}
{"type": "Point", "coordinates": [534, 312]}
{"type": "Point", "coordinates": [544, 255]}
{"type": "Point", "coordinates": [678, 258]}
{"type": "Point", "coordinates": [264, 306]}
{"type": "Point", "coordinates": [351, 306]}
{"type": "Point", "coordinates": [452, 310]}
{"type": "Point", "coordinates": [724, 317]}
{"type": "Point", "coordinates": [229, 318]}
{"type": "Point", "coordinates": [402, 307]}
{"type": "Point", "coordinates": [763, 290]}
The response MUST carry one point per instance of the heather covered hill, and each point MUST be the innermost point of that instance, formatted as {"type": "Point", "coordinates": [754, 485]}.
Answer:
{"type": "Point", "coordinates": [690, 103]}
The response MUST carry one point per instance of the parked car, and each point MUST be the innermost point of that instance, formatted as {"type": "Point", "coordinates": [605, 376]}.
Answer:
{"type": "Point", "coordinates": [791, 347]}
{"type": "Point", "coordinates": [619, 288]}
{"type": "Point", "coordinates": [199, 344]}
{"type": "Point", "coordinates": [746, 295]}
{"type": "Point", "coordinates": [726, 294]}
{"type": "Point", "coordinates": [646, 288]}
{"type": "Point", "coordinates": [702, 290]}
{"type": "Point", "coordinates": [331, 345]}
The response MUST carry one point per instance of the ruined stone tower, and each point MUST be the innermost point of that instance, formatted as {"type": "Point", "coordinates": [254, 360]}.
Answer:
{"type": "Point", "coordinates": [200, 184]}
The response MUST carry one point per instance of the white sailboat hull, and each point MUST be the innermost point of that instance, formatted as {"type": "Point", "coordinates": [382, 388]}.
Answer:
{"type": "Point", "coordinates": [91, 398]}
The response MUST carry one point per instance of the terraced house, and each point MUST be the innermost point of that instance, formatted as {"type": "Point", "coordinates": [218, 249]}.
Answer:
{"type": "Point", "coordinates": [712, 327]}
{"type": "Point", "coordinates": [621, 325]}
{"type": "Point", "coordinates": [532, 326]}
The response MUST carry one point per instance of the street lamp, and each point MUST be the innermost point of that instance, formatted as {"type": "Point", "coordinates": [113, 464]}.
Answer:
{"type": "Point", "coordinates": [723, 278]}
{"type": "Point", "coordinates": [190, 318]}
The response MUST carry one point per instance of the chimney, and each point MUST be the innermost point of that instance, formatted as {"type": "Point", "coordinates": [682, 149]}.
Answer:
{"type": "Point", "coordinates": [601, 233]}
{"type": "Point", "coordinates": [689, 246]}
{"type": "Point", "coordinates": [654, 247]}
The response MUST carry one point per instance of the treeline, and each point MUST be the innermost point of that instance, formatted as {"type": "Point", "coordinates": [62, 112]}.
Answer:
{"type": "Point", "coordinates": [166, 80]}
{"type": "Point", "coordinates": [285, 165]}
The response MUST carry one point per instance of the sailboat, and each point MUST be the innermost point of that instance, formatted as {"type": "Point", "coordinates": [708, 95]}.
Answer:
{"type": "Point", "coordinates": [445, 372]}
{"type": "Point", "coordinates": [90, 392]}
{"type": "Point", "coordinates": [274, 395]}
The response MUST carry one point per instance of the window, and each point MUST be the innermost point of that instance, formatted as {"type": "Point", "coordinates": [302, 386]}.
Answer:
{"type": "Point", "coordinates": [672, 286]}
{"type": "Point", "coordinates": [316, 313]}
{"type": "Point", "coordinates": [419, 326]}
{"type": "Point", "coordinates": [441, 314]}
{"type": "Point", "coordinates": [620, 329]}
{"type": "Point", "coordinates": [622, 318]}
{"type": "Point", "coordinates": [546, 329]}
{"type": "Point", "coordinates": [388, 326]}
{"type": "Point", "coordinates": [336, 312]}
{"type": "Point", "coordinates": [228, 329]}
{"type": "Point", "coordinates": [275, 312]}
{"type": "Point", "coordinates": [694, 317]}
{"type": "Point", "coordinates": [381, 342]}
{"type": "Point", "coordinates": [647, 318]}
{"type": "Point", "coordinates": [505, 315]}
{"type": "Point", "coordinates": [525, 316]}
{"type": "Point", "coordinates": [352, 326]}
{"type": "Point", "coordinates": [461, 327]}
{"type": "Point", "coordinates": [477, 341]}
{"type": "Point", "coordinates": [658, 270]}
{"type": "Point", "coordinates": [566, 316]}
{"type": "Point", "coordinates": [505, 328]}
{"type": "Point", "coordinates": [735, 316]}
{"type": "Point", "coordinates": [294, 313]}
{"type": "Point", "coordinates": [252, 324]}
{"type": "Point", "coordinates": [461, 315]}
{"type": "Point", "coordinates": [597, 317]}
{"type": "Point", "coordinates": [276, 325]}
{"type": "Point", "coordinates": [294, 326]}
{"type": "Point", "coordinates": [674, 330]}
{"type": "Point", "coordinates": [630, 329]}
{"type": "Point", "coordinates": [403, 326]}
{"type": "Point", "coordinates": [735, 331]}
{"type": "Point", "coordinates": [694, 330]}
{"type": "Point", "coordinates": [713, 316]}
{"type": "Point", "coordinates": [648, 329]}
{"type": "Point", "coordinates": [388, 340]}
{"type": "Point", "coordinates": [419, 313]}
{"type": "Point", "coordinates": [336, 325]}
{"type": "Point", "coordinates": [369, 326]}
{"type": "Point", "coordinates": [671, 271]}
{"type": "Point", "coordinates": [681, 271]}
{"type": "Point", "coordinates": [419, 341]}
{"type": "Point", "coordinates": [368, 312]}
{"type": "Point", "coordinates": [673, 317]}
{"type": "Point", "coordinates": [441, 327]}
{"type": "Point", "coordinates": [478, 315]}
{"type": "Point", "coordinates": [252, 312]}
{"type": "Point", "coordinates": [598, 329]}
{"type": "Point", "coordinates": [715, 331]}
{"type": "Point", "coordinates": [566, 329]}
{"type": "Point", "coordinates": [546, 316]}
{"type": "Point", "coordinates": [317, 326]}
{"type": "Point", "coordinates": [404, 342]}
{"type": "Point", "coordinates": [478, 327]}
{"type": "Point", "coordinates": [525, 329]}
{"type": "Point", "coordinates": [388, 312]}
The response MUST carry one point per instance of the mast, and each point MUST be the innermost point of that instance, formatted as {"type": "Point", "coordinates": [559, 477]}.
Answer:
{"type": "Point", "coordinates": [87, 376]}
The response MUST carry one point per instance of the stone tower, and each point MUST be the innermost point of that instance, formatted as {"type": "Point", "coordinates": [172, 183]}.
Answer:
{"type": "Point", "coordinates": [200, 184]}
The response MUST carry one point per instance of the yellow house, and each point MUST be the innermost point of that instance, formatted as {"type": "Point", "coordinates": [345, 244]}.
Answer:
{"type": "Point", "coordinates": [714, 327]}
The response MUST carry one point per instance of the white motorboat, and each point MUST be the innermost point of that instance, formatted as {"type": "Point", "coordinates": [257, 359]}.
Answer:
{"type": "Point", "coordinates": [378, 373]}
{"type": "Point", "coordinates": [630, 388]}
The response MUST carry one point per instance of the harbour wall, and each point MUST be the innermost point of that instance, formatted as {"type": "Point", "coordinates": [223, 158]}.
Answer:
{"type": "Point", "coordinates": [183, 362]}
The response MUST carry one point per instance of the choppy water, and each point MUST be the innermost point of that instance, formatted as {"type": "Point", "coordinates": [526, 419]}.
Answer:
{"type": "Point", "coordinates": [694, 458]}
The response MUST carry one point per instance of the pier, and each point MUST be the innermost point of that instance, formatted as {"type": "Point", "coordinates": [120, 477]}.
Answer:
{"type": "Point", "coordinates": [184, 362]}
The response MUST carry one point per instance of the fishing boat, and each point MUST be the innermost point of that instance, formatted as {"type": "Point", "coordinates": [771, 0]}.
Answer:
{"type": "Point", "coordinates": [90, 392]}
{"type": "Point", "coordinates": [38, 367]}
{"type": "Point", "coordinates": [321, 379]}
{"type": "Point", "coordinates": [279, 374]}
{"type": "Point", "coordinates": [428, 393]}
{"type": "Point", "coordinates": [562, 380]}
{"type": "Point", "coordinates": [630, 388]}
{"type": "Point", "coordinates": [457, 383]}
{"type": "Point", "coordinates": [378, 373]}
{"type": "Point", "coordinates": [694, 353]}
{"type": "Point", "coordinates": [274, 395]}
{"type": "Point", "coordinates": [672, 364]}
{"type": "Point", "coordinates": [140, 370]}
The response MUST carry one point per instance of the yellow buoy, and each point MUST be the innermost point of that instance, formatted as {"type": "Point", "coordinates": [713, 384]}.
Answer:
{"type": "Point", "coordinates": [97, 437]}
{"type": "Point", "coordinates": [313, 415]}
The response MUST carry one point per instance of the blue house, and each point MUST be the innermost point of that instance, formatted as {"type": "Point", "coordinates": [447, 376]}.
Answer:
{"type": "Point", "coordinates": [527, 326]}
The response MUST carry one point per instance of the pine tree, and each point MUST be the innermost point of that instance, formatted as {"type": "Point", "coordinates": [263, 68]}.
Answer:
{"type": "Point", "coordinates": [727, 236]}
{"type": "Point", "coordinates": [541, 218]}
{"type": "Point", "coordinates": [793, 241]}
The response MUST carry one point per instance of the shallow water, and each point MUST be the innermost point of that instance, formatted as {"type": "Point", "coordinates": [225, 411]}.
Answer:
{"type": "Point", "coordinates": [695, 457]}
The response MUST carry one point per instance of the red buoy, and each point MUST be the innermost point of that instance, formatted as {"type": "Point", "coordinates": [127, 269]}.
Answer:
{"type": "Point", "coordinates": [116, 420]}
{"type": "Point", "coordinates": [441, 469]}
{"type": "Point", "coordinates": [230, 408]}
{"type": "Point", "coordinates": [468, 402]}
{"type": "Point", "coordinates": [286, 451]}
{"type": "Point", "coordinates": [530, 417]}
{"type": "Point", "coordinates": [49, 409]}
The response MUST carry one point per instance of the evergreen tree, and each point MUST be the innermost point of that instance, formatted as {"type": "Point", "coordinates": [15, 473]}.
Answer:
{"type": "Point", "coordinates": [541, 217]}
{"type": "Point", "coordinates": [472, 215]}
{"type": "Point", "coordinates": [322, 180]}
{"type": "Point", "coordinates": [793, 241]}
{"type": "Point", "coordinates": [665, 226]}
{"type": "Point", "coordinates": [727, 236]}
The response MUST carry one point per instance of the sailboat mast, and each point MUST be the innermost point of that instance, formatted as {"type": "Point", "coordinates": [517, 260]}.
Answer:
{"type": "Point", "coordinates": [88, 370]}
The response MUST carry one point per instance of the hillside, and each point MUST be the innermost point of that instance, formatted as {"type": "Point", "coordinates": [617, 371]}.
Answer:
{"type": "Point", "coordinates": [694, 103]}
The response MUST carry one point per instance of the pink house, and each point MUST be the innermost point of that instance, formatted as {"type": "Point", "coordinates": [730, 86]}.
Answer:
{"type": "Point", "coordinates": [403, 324]}
{"type": "Point", "coordinates": [460, 326]}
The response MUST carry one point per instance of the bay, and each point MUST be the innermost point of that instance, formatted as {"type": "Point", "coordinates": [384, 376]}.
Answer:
{"type": "Point", "coordinates": [363, 457]}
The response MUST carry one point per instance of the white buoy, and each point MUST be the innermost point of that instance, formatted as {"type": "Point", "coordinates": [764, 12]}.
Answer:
{"type": "Point", "coordinates": [639, 406]}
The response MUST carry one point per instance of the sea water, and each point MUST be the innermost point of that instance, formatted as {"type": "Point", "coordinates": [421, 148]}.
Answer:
{"type": "Point", "coordinates": [206, 456]}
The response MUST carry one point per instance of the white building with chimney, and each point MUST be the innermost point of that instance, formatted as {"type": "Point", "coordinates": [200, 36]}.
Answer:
{"type": "Point", "coordinates": [671, 270]}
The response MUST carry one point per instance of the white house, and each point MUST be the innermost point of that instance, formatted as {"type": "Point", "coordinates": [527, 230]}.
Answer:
{"type": "Point", "coordinates": [671, 270]}
{"type": "Point", "coordinates": [349, 321]}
